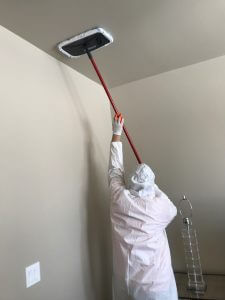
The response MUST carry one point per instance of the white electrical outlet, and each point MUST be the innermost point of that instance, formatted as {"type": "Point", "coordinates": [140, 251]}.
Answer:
{"type": "Point", "coordinates": [33, 274]}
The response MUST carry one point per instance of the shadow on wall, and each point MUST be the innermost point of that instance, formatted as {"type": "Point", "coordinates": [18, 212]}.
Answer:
{"type": "Point", "coordinates": [98, 227]}
{"type": "Point", "coordinates": [99, 230]}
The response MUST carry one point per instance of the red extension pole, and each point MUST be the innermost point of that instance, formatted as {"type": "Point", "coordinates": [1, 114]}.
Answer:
{"type": "Point", "coordinates": [113, 105]}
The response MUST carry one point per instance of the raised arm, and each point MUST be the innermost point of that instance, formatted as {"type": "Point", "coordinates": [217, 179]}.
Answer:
{"type": "Point", "coordinates": [116, 169]}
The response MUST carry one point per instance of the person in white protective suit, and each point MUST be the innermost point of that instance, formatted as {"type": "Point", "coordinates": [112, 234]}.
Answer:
{"type": "Point", "coordinates": [140, 213]}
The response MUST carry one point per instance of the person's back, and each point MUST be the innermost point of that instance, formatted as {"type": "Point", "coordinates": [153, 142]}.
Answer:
{"type": "Point", "coordinates": [141, 257]}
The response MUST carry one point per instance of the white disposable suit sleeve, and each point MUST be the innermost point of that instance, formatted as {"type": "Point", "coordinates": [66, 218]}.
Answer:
{"type": "Point", "coordinates": [116, 170]}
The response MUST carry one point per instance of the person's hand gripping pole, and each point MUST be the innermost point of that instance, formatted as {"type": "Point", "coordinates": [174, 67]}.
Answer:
{"type": "Point", "coordinates": [117, 127]}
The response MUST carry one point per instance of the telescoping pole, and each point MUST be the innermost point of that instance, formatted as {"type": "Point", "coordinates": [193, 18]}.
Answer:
{"type": "Point", "coordinates": [113, 105]}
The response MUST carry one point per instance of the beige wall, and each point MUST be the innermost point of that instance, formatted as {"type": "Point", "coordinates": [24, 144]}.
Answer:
{"type": "Point", "coordinates": [177, 120]}
{"type": "Point", "coordinates": [55, 130]}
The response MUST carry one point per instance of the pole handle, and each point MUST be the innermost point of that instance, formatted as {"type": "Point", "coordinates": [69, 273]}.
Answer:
{"type": "Point", "coordinates": [113, 104]}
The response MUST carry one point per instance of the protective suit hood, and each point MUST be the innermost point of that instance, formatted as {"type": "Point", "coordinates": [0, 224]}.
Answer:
{"type": "Point", "coordinates": [142, 181]}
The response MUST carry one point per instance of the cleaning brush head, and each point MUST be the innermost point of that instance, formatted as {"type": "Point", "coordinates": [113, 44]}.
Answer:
{"type": "Point", "coordinates": [85, 42]}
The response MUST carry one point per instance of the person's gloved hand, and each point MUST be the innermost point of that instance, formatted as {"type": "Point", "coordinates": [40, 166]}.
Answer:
{"type": "Point", "coordinates": [118, 124]}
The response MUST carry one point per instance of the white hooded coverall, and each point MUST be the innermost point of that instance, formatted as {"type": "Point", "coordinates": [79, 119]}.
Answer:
{"type": "Point", "coordinates": [141, 256]}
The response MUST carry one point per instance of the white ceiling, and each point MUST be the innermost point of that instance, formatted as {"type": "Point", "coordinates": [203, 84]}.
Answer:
{"type": "Point", "coordinates": [150, 36]}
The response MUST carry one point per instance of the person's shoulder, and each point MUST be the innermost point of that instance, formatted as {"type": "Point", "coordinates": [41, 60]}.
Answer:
{"type": "Point", "coordinates": [159, 193]}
